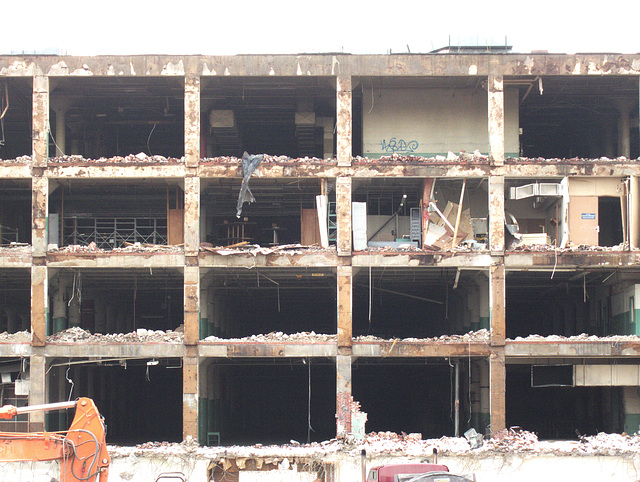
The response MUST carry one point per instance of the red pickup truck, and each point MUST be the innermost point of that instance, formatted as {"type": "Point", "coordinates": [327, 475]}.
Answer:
{"type": "Point", "coordinates": [413, 473]}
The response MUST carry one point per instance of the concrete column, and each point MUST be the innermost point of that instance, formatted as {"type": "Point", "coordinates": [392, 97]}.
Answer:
{"type": "Point", "coordinates": [40, 121]}
{"type": "Point", "coordinates": [39, 210]}
{"type": "Point", "coordinates": [497, 366]}
{"type": "Point", "coordinates": [61, 132]}
{"type": "Point", "coordinates": [496, 119]}
{"type": "Point", "coordinates": [190, 394]}
{"type": "Point", "coordinates": [203, 323]}
{"type": "Point", "coordinates": [345, 304]}
{"type": "Point", "coordinates": [631, 403]}
{"type": "Point", "coordinates": [59, 309]}
{"type": "Point", "coordinates": [344, 120]}
{"type": "Point", "coordinates": [624, 107]}
{"type": "Point", "coordinates": [100, 313]}
{"type": "Point", "coordinates": [191, 216]}
{"type": "Point", "coordinates": [192, 120]}
{"type": "Point", "coordinates": [37, 391]}
{"type": "Point", "coordinates": [343, 208]}
{"type": "Point", "coordinates": [191, 304]}
{"type": "Point", "coordinates": [496, 214]}
{"type": "Point", "coordinates": [497, 301]}
{"type": "Point", "coordinates": [39, 305]}
{"type": "Point", "coordinates": [483, 298]}
{"type": "Point", "coordinates": [343, 395]}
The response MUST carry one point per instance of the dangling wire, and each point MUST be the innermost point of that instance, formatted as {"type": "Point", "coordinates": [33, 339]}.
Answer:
{"type": "Point", "coordinates": [309, 427]}
{"type": "Point", "coordinates": [66, 375]}
{"type": "Point", "coordinates": [149, 138]}
{"type": "Point", "coordinates": [146, 375]}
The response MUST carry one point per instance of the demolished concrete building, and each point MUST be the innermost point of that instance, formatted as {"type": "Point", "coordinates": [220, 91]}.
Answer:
{"type": "Point", "coordinates": [448, 241]}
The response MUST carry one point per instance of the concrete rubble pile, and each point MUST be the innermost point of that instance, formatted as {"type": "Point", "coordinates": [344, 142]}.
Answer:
{"type": "Point", "coordinates": [17, 248]}
{"type": "Point", "coordinates": [266, 159]}
{"type": "Point", "coordinates": [140, 158]}
{"type": "Point", "coordinates": [19, 337]}
{"type": "Point", "coordinates": [480, 336]}
{"type": "Point", "coordinates": [463, 157]}
{"type": "Point", "coordinates": [575, 160]}
{"type": "Point", "coordinates": [581, 337]}
{"type": "Point", "coordinates": [141, 335]}
{"type": "Point", "coordinates": [277, 336]}
{"type": "Point", "coordinates": [570, 248]}
{"type": "Point", "coordinates": [507, 441]}
{"type": "Point", "coordinates": [17, 160]}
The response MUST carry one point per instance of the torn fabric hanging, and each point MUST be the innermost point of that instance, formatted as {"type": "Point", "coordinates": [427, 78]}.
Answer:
{"type": "Point", "coordinates": [249, 164]}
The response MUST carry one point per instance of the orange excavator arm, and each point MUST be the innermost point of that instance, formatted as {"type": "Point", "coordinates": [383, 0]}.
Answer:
{"type": "Point", "coordinates": [82, 450]}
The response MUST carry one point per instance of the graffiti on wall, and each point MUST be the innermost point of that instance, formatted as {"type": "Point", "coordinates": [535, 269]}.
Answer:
{"type": "Point", "coordinates": [399, 145]}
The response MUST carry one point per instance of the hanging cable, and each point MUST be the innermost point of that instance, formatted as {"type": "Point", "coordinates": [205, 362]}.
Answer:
{"type": "Point", "coordinates": [66, 375]}
{"type": "Point", "coordinates": [309, 427]}
{"type": "Point", "coordinates": [149, 138]}
{"type": "Point", "coordinates": [135, 296]}
{"type": "Point", "coordinates": [370, 294]}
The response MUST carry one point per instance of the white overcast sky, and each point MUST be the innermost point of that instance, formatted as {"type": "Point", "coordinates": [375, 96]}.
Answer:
{"type": "Point", "coordinates": [282, 26]}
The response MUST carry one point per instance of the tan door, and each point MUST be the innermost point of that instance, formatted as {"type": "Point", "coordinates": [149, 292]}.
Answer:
{"type": "Point", "coordinates": [583, 220]}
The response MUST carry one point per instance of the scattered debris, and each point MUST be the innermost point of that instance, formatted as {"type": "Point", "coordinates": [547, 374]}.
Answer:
{"type": "Point", "coordinates": [141, 335]}
{"type": "Point", "coordinates": [268, 159]}
{"type": "Point", "coordinates": [128, 248]}
{"type": "Point", "coordinates": [480, 336]}
{"type": "Point", "coordinates": [450, 158]}
{"type": "Point", "coordinates": [573, 160]}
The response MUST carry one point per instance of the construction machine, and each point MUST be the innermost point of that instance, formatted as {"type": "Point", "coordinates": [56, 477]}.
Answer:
{"type": "Point", "coordinates": [81, 450]}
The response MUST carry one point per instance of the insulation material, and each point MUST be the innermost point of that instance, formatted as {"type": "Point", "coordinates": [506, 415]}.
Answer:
{"type": "Point", "coordinates": [249, 164]}
{"type": "Point", "coordinates": [359, 225]}
{"type": "Point", "coordinates": [322, 205]}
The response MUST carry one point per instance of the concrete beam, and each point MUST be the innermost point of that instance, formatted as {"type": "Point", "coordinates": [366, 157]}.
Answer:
{"type": "Point", "coordinates": [343, 207]}
{"type": "Point", "coordinates": [344, 120]}
{"type": "Point", "coordinates": [345, 304]}
{"type": "Point", "coordinates": [39, 213]}
{"type": "Point", "coordinates": [223, 349]}
{"type": "Point", "coordinates": [569, 349]}
{"type": "Point", "coordinates": [497, 390]}
{"type": "Point", "coordinates": [114, 350]}
{"type": "Point", "coordinates": [38, 389]}
{"type": "Point", "coordinates": [88, 170]}
{"type": "Point", "coordinates": [425, 349]}
{"type": "Point", "coordinates": [115, 260]}
{"type": "Point", "coordinates": [277, 260]}
{"type": "Point", "coordinates": [496, 119]}
{"type": "Point", "coordinates": [39, 305]}
{"type": "Point", "coordinates": [191, 216]}
{"type": "Point", "coordinates": [192, 120]}
{"type": "Point", "coordinates": [497, 300]}
{"type": "Point", "coordinates": [422, 65]}
{"type": "Point", "coordinates": [40, 121]}
{"type": "Point", "coordinates": [496, 215]}
{"type": "Point", "coordinates": [343, 395]}
{"type": "Point", "coordinates": [424, 259]}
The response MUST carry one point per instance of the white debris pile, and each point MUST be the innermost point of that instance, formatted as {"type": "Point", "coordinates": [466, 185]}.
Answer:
{"type": "Point", "coordinates": [412, 444]}
{"type": "Point", "coordinates": [580, 337]}
{"type": "Point", "coordinates": [140, 158]}
{"type": "Point", "coordinates": [278, 336]}
{"type": "Point", "coordinates": [610, 444]}
{"type": "Point", "coordinates": [480, 336]}
{"type": "Point", "coordinates": [573, 160]}
{"type": "Point", "coordinates": [141, 335]}
{"type": "Point", "coordinates": [19, 337]}
{"type": "Point", "coordinates": [256, 249]}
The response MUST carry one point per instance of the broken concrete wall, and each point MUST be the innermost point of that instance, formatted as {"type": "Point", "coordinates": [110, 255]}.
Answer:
{"type": "Point", "coordinates": [430, 122]}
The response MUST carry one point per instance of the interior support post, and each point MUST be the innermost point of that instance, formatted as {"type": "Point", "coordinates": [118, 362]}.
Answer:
{"type": "Point", "coordinates": [496, 119]}
{"type": "Point", "coordinates": [344, 121]}
{"type": "Point", "coordinates": [497, 366]}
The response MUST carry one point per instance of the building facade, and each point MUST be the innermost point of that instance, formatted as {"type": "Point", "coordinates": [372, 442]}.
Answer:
{"type": "Point", "coordinates": [438, 241]}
